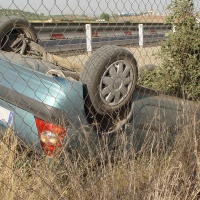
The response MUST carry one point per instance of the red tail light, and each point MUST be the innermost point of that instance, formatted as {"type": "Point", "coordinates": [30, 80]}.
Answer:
{"type": "Point", "coordinates": [51, 135]}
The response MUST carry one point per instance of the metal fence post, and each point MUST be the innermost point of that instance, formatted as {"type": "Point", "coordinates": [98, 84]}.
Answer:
{"type": "Point", "coordinates": [88, 28]}
{"type": "Point", "coordinates": [141, 35]}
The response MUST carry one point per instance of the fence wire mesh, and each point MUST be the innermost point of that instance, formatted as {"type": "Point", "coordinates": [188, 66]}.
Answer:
{"type": "Point", "coordinates": [99, 99]}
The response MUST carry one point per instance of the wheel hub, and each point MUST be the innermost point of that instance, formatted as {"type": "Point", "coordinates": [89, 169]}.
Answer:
{"type": "Point", "coordinates": [15, 42]}
{"type": "Point", "coordinates": [116, 82]}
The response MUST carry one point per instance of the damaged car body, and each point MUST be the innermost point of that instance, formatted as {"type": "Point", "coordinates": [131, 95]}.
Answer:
{"type": "Point", "coordinates": [50, 106]}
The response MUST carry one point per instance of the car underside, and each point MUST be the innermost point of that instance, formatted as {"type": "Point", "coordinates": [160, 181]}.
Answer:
{"type": "Point", "coordinates": [49, 105]}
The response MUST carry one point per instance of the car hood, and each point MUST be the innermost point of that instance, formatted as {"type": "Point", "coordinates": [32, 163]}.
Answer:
{"type": "Point", "coordinates": [44, 96]}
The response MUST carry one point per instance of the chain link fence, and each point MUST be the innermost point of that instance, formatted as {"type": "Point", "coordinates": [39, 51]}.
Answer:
{"type": "Point", "coordinates": [99, 99]}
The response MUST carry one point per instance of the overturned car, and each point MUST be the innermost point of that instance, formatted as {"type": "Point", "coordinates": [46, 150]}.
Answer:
{"type": "Point", "coordinates": [49, 106]}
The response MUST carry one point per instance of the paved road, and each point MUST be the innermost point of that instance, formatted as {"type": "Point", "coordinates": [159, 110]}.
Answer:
{"type": "Point", "coordinates": [80, 43]}
{"type": "Point", "coordinates": [101, 33]}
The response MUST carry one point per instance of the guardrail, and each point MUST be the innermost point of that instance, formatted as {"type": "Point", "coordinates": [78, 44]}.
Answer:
{"type": "Point", "coordinates": [80, 27]}
{"type": "Point", "coordinates": [49, 30]}
{"type": "Point", "coordinates": [74, 36]}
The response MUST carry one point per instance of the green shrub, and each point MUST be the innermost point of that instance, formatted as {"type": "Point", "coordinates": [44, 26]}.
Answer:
{"type": "Point", "coordinates": [179, 73]}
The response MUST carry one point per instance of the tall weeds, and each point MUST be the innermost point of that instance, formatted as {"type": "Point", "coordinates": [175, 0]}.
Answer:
{"type": "Point", "coordinates": [155, 172]}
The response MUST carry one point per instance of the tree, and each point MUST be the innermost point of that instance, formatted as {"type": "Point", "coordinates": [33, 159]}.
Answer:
{"type": "Point", "coordinates": [180, 54]}
{"type": "Point", "coordinates": [105, 16]}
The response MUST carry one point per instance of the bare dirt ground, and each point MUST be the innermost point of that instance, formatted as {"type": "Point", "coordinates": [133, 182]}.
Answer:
{"type": "Point", "coordinates": [143, 55]}
{"type": "Point", "coordinates": [146, 55]}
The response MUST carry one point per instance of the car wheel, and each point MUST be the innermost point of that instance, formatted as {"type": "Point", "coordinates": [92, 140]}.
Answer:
{"type": "Point", "coordinates": [15, 33]}
{"type": "Point", "coordinates": [110, 76]}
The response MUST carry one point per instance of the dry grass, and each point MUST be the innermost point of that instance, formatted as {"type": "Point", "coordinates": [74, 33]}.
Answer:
{"type": "Point", "coordinates": [143, 55]}
{"type": "Point", "coordinates": [157, 171]}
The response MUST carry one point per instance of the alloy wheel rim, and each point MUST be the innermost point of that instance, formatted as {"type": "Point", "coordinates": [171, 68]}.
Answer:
{"type": "Point", "coordinates": [116, 83]}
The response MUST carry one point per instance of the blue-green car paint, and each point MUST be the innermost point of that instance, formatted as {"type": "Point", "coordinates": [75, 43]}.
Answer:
{"type": "Point", "coordinates": [27, 94]}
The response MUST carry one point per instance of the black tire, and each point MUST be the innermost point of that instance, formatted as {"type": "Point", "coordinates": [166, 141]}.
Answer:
{"type": "Point", "coordinates": [100, 67]}
{"type": "Point", "coordinates": [12, 28]}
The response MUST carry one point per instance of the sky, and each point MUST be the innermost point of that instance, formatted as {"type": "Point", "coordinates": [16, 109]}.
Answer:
{"type": "Point", "coordinates": [88, 7]}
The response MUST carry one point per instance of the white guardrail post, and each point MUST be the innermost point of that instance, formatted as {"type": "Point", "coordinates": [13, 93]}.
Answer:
{"type": "Point", "coordinates": [88, 28]}
{"type": "Point", "coordinates": [141, 35]}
